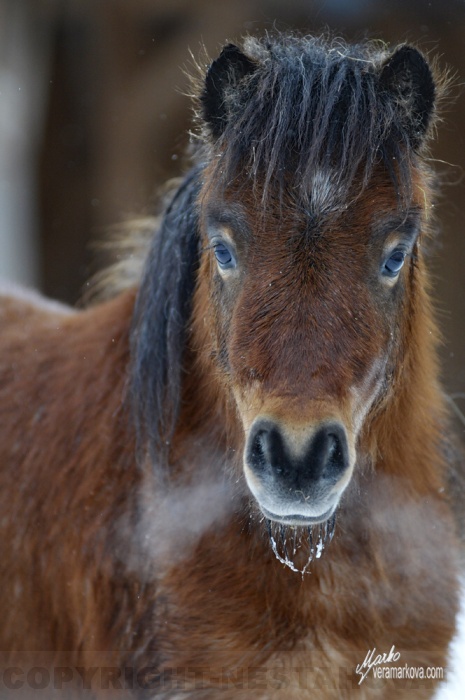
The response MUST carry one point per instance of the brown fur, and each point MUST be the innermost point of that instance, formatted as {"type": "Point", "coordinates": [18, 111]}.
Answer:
{"type": "Point", "coordinates": [111, 564]}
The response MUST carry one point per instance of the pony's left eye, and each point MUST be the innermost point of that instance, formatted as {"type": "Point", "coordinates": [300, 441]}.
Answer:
{"type": "Point", "coordinates": [394, 263]}
{"type": "Point", "coordinates": [224, 256]}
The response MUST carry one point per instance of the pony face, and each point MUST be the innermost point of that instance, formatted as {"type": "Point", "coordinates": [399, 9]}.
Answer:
{"type": "Point", "coordinates": [287, 264]}
{"type": "Point", "coordinates": [310, 214]}
{"type": "Point", "coordinates": [306, 318]}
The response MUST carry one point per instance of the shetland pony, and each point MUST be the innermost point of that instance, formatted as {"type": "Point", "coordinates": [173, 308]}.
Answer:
{"type": "Point", "coordinates": [230, 479]}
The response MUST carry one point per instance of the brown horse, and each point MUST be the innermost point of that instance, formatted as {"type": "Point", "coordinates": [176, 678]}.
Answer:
{"type": "Point", "coordinates": [176, 461]}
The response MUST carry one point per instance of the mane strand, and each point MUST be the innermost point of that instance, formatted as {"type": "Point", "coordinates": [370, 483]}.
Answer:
{"type": "Point", "coordinates": [162, 310]}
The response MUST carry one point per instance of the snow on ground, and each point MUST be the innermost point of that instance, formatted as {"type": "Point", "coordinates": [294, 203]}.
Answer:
{"type": "Point", "coordinates": [454, 688]}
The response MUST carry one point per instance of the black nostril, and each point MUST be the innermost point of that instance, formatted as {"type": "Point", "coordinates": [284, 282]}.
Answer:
{"type": "Point", "coordinates": [266, 448]}
{"type": "Point", "coordinates": [334, 453]}
{"type": "Point", "coordinates": [329, 452]}
{"type": "Point", "coordinates": [257, 450]}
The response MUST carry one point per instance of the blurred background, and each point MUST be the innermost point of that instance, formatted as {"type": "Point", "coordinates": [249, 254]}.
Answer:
{"type": "Point", "coordinates": [94, 118]}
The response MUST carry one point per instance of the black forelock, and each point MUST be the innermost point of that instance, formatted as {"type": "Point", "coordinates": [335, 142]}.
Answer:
{"type": "Point", "coordinates": [312, 105]}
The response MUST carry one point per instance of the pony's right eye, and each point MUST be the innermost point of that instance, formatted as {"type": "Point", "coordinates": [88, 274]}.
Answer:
{"type": "Point", "coordinates": [394, 263]}
{"type": "Point", "coordinates": [224, 256]}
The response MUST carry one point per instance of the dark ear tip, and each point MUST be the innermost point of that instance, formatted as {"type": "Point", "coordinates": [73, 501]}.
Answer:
{"type": "Point", "coordinates": [407, 75]}
{"type": "Point", "coordinates": [408, 52]}
{"type": "Point", "coordinates": [410, 58]}
{"type": "Point", "coordinates": [406, 60]}
{"type": "Point", "coordinates": [229, 50]}
{"type": "Point", "coordinates": [226, 70]}
{"type": "Point", "coordinates": [232, 55]}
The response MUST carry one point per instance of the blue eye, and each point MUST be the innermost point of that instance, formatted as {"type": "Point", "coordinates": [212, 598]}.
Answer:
{"type": "Point", "coordinates": [224, 256]}
{"type": "Point", "coordinates": [394, 263]}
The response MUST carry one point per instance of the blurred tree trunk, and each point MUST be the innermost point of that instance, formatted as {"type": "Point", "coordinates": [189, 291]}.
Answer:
{"type": "Point", "coordinates": [23, 92]}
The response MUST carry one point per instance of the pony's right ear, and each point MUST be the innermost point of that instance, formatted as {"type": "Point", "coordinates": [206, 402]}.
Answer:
{"type": "Point", "coordinates": [224, 73]}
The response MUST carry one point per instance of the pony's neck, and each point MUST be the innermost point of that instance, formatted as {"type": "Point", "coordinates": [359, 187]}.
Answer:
{"type": "Point", "coordinates": [208, 411]}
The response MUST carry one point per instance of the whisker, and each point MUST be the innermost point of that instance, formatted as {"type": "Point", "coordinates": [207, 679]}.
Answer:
{"type": "Point", "coordinates": [294, 542]}
{"type": "Point", "coordinates": [282, 532]}
{"type": "Point", "coordinates": [288, 543]}
{"type": "Point", "coordinates": [310, 539]}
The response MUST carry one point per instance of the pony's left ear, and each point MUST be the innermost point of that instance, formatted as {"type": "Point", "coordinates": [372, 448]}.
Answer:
{"type": "Point", "coordinates": [407, 76]}
{"type": "Point", "coordinates": [224, 73]}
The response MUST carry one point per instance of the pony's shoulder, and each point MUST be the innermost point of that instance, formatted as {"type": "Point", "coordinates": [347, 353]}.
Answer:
{"type": "Point", "coordinates": [26, 313]}
{"type": "Point", "coordinates": [18, 302]}
{"type": "Point", "coordinates": [47, 344]}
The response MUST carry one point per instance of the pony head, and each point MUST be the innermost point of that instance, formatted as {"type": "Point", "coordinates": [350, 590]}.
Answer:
{"type": "Point", "coordinates": [310, 215]}
{"type": "Point", "coordinates": [290, 260]}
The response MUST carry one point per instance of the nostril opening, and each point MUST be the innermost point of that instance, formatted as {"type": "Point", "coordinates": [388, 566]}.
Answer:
{"type": "Point", "coordinates": [258, 450]}
{"type": "Point", "coordinates": [266, 451]}
{"type": "Point", "coordinates": [334, 453]}
{"type": "Point", "coordinates": [331, 446]}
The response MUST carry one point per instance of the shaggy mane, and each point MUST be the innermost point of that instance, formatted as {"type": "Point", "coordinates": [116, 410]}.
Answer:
{"type": "Point", "coordinates": [313, 105]}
